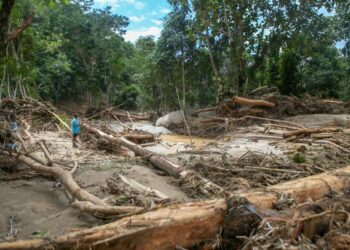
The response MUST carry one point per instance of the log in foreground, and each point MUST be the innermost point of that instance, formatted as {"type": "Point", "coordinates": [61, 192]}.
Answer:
{"type": "Point", "coordinates": [163, 163]}
{"type": "Point", "coordinates": [183, 225]}
{"type": "Point", "coordinates": [190, 223]}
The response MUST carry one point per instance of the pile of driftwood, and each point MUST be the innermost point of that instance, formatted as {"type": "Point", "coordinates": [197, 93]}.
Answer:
{"type": "Point", "coordinates": [309, 211]}
{"type": "Point", "coordinates": [268, 108]}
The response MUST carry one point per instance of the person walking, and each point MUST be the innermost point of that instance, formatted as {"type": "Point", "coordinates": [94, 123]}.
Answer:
{"type": "Point", "coordinates": [75, 127]}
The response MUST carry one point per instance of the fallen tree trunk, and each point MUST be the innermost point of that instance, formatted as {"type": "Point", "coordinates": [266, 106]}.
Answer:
{"type": "Point", "coordinates": [313, 187]}
{"type": "Point", "coordinates": [309, 131]}
{"type": "Point", "coordinates": [251, 102]}
{"type": "Point", "coordinates": [191, 223]}
{"type": "Point", "coordinates": [163, 163]}
{"type": "Point", "coordinates": [86, 201]}
{"type": "Point", "coordinates": [65, 176]}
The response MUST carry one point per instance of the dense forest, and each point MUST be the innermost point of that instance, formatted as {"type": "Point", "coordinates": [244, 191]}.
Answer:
{"type": "Point", "coordinates": [68, 51]}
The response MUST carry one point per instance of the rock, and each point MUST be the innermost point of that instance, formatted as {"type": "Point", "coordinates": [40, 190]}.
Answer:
{"type": "Point", "coordinates": [153, 130]}
{"type": "Point", "coordinates": [169, 119]}
{"type": "Point", "coordinates": [342, 122]}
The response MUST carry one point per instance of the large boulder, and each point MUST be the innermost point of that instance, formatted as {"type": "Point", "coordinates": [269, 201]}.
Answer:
{"type": "Point", "coordinates": [169, 119]}
{"type": "Point", "coordinates": [342, 121]}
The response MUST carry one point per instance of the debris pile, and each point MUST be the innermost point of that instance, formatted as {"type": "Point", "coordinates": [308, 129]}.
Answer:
{"type": "Point", "coordinates": [264, 183]}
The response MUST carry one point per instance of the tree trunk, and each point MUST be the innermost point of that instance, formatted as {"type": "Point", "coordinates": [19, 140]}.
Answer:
{"type": "Point", "coordinates": [183, 76]}
{"type": "Point", "coordinates": [16, 32]}
{"type": "Point", "coordinates": [211, 57]}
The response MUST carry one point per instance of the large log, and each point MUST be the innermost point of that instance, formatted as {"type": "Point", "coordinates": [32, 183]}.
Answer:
{"type": "Point", "coordinates": [190, 223]}
{"type": "Point", "coordinates": [251, 102]}
{"type": "Point", "coordinates": [161, 162]}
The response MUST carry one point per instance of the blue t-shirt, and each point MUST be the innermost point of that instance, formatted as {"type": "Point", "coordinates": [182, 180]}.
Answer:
{"type": "Point", "coordinates": [75, 126]}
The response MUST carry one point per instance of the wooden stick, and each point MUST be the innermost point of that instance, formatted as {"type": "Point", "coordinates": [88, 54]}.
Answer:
{"type": "Point", "coordinates": [280, 126]}
{"type": "Point", "coordinates": [46, 152]}
{"type": "Point", "coordinates": [309, 131]}
{"type": "Point", "coordinates": [143, 189]}
{"type": "Point", "coordinates": [183, 116]}
{"type": "Point", "coordinates": [60, 120]}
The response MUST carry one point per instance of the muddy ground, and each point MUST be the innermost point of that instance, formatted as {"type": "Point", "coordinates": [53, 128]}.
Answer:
{"type": "Point", "coordinates": [36, 207]}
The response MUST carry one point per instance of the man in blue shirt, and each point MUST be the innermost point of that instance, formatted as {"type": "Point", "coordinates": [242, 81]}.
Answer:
{"type": "Point", "coordinates": [75, 129]}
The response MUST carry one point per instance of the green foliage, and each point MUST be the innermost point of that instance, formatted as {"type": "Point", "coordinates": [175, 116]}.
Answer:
{"type": "Point", "coordinates": [299, 158]}
{"type": "Point", "coordinates": [127, 96]}
{"type": "Point", "coordinates": [288, 73]}
{"type": "Point", "coordinates": [207, 50]}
